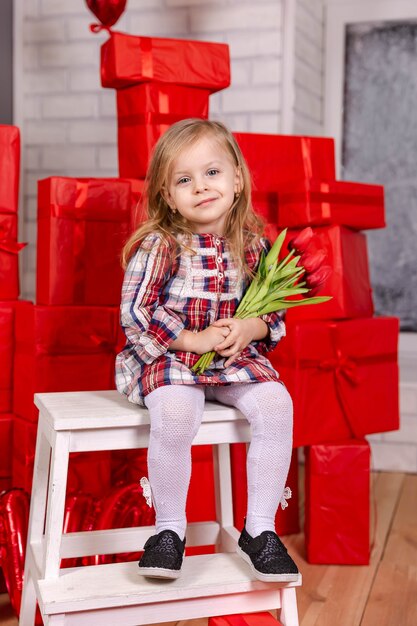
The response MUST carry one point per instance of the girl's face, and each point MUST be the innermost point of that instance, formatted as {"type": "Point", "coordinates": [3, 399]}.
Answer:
{"type": "Point", "coordinates": [202, 185]}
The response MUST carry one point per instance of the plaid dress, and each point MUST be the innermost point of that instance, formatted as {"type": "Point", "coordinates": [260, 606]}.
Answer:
{"type": "Point", "coordinates": [161, 298]}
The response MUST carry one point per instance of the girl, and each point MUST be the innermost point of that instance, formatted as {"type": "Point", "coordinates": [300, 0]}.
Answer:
{"type": "Point", "coordinates": [187, 268]}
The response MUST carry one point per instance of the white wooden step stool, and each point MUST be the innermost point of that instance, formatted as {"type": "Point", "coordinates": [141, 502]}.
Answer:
{"type": "Point", "coordinates": [114, 594]}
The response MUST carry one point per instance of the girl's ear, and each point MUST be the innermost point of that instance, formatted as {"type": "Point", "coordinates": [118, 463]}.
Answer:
{"type": "Point", "coordinates": [238, 181]}
{"type": "Point", "coordinates": [167, 197]}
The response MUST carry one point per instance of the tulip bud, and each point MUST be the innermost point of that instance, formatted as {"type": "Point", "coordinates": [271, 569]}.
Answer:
{"type": "Point", "coordinates": [318, 277]}
{"type": "Point", "coordinates": [312, 261]}
{"type": "Point", "coordinates": [301, 241]}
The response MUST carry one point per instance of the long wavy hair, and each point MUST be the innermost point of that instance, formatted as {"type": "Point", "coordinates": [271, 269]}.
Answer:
{"type": "Point", "coordinates": [242, 226]}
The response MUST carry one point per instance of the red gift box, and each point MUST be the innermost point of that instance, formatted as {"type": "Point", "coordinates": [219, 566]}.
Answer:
{"type": "Point", "coordinates": [87, 472]}
{"type": "Point", "coordinates": [9, 269]}
{"type": "Point", "coordinates": [277, 159]}
{"type": "Point", "coordinates": [145, 112]}
{"type": "Point", "coordinates": [82, 226]}
{"type": "Point", "coordinates": [128, 60]}
{"type": "Point", "coordinates": [7, 316]}
{"type": "Point", "coordinates": [342, 377]}
{"type": "Point", "coordinates": [316, 203]}
{"type": "Point", "coordinates": [6, 437]}
{"type": "Point", "coordinates": [348, 283]}
{"type": "Point", "coordinates": [250, 619]}
{"type": "Point", "coordinates": [9, 168]}
{"type": "Point", "coordinates": [63, 349]}
{"type": "Point", "coordinates": [337, 504]}
{"type": "Point", "coordinates": [286, 520]}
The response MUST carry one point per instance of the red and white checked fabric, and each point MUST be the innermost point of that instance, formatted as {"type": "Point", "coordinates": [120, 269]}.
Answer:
{"type": "Point", "coordinates": [160, 298]}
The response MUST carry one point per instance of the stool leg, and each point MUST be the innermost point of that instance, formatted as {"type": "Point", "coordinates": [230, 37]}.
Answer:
{"type": "Point", "coordinates": [224, 498]}
{"type": "Point", "coordinates": [289, 611]}
{"type": "Point", "coordinates": [28, 604]}
{"type": "Point", "coordinates": [56, 505]}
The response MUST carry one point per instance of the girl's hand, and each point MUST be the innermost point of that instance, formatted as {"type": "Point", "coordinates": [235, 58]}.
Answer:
{"type": "Point", "coordinates": [240, 336]}
{"type": "Point", "coordinates": [206, 339]}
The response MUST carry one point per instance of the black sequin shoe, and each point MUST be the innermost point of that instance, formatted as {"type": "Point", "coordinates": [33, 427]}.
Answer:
{"type": "Point", "coordinates": [163, 555]}
{"type": "Point", "coordinates": [267, 557]}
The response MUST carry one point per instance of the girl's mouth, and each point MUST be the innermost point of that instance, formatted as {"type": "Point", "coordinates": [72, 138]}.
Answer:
{"type": "Point", "coordinates": [206, 201]}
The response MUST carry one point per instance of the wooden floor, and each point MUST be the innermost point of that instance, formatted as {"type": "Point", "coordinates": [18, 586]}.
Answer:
{"type": "Point", "coordinates": [381, 594]}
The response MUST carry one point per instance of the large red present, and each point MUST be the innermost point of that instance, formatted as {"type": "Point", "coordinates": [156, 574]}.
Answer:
{"type": "Point", "coordinates": [310, 202]}
{"type": "Point", "coordinates": [82, 226]}
{"type": "Point", "coordinates": [349, 281]}
{"type": "Point", "coordinates": [6, 435]}
{"type": "Point", "coordinates": [337, 514]}
{"type": "Point", "coordinates": [9, 269]}
{"type": "Point", "coordinates": [249, 619]}
{"type": "Point", "coordinates": [286, 520]}
{"type": "Point", "coordinates": [7, 316]}
{"type": "Point", "coordinates": [145, 112]}
{"type": "Point", "coordinates": [342, 377]}
{"type": "Point", "coordinates": [63, 349]}
{"type": "Point", "coordinates": [9, 168]}
{"type": "Point", "coordinates": [277, 159]}
{"type": "Point", "coordinates": [128, 60]}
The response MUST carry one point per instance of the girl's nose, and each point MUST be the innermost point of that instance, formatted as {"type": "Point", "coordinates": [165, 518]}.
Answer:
{"type": "Point", "coordinates": [200, 186]}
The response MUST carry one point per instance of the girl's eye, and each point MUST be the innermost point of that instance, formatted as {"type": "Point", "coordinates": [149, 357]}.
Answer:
{"type": "Point", "coordinates": [212, 172]}
{"type": "Point", "coordinates": [183, 180]}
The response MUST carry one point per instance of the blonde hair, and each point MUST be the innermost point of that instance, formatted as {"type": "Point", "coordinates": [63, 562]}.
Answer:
{"type": "Point", "coordinates": [242, 226]}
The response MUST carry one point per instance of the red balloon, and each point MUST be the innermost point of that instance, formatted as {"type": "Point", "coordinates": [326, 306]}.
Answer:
{"type": "Point", "coordinates": [80, 510]}
{"type": "Point", "coordinates": [107, 11]}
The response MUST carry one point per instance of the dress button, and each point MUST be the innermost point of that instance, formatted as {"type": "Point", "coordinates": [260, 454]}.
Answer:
{"type": "Point", "coordinates": [217, 241]}
{"type": "Point", "coordinates": [219, 259]}
{"type": "Point", "coordinates": [220, 275]}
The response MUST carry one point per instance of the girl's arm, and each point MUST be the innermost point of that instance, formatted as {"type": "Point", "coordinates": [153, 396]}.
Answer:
{"type": "Point", "coordinates": [149, 326]}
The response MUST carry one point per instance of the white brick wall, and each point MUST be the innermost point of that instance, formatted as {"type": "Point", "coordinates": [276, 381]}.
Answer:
{"type": "Point", "coordinates": [69, 121]}
{"type": "Point", "coordinates": [308, 67]}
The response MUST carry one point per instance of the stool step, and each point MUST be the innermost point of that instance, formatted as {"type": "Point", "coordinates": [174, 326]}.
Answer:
{"type": "Point", "coordinates": [121, 585]}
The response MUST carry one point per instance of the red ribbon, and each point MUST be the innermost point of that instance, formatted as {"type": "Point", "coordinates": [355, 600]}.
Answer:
{"type": "Point", "coordinates": [149, 117]}
{"type": "Point", "coordinates": [8, 245]}
{"type": "Point", "coordinates": [96, 28]}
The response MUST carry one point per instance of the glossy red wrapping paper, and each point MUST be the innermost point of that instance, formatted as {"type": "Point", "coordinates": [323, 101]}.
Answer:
{"type": "Point", "coordinates": [9, 260]}
{"type": "Point", "coordinates": [6, 437]}
{"type": "Point", "coordinates": [342, 377]}
{"type": "Point", "coordinates": [63, 349]}
{"type": "Point", "coordinates": [337, 503]}
{"type": "Point", "coordinates": [9, 168]}
{"type": "Point", "coordinates": [316, 203]}
{"type": "Point", "coordinates": [7, 346]}
{"type": "Point", "coordinates": [277, 159]}
{"type": "Point", "coordinates": [349, 282]}
{"type": "Point", "coordinates": [145, 112]}
{"type": "Point", "coordinates": [128, 60]}
{"type": "Point", "coordinates": [82, 226]}
{"type": "Point", "coordinates": [250, 619]}
{"type": "Point", "coordinates": [286, 520]}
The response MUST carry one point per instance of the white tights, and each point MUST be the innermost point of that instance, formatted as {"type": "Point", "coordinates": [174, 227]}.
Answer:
{"type": "Point", "coordinates": [175, 415]}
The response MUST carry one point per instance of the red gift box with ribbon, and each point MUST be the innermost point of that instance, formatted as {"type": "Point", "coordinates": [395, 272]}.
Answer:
{"type": "Point", "coordinates": [315, 203]}
{"type": "Point", "coordinates": [128, 60]}
{"type": "Point", "coordinates": [287, 518]}
{"type": "Point", "coordinates": [9, 168]}
{"type": "Point", "coordinates": [62, 348]}
{"type": "Point", "coordinates": [348, 283]}
{"type": "Point", "coordinates": [145, 112]}
{"type": "Point", "coordinates": [277, 159]}
{"type": "Point", "coordinates": [82, 226]}
{"type": "Point", "coordinates": [250, 619]}
{"type": "Point", "coordinates": [337, 503]}
{"type": "Point", "coordinates": [342, 377]}
{"type": "Point", "coordinates": [6, 436]}
{"type": "Point", "coordinates": [9, 250]}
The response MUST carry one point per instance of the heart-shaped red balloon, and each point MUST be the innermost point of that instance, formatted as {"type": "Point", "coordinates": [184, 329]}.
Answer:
{"type": "Point", "coordinates": [107, 11]}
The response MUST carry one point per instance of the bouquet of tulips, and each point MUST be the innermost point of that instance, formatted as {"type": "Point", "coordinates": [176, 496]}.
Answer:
{"type": "Point", "coordinates": [301, 272]}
